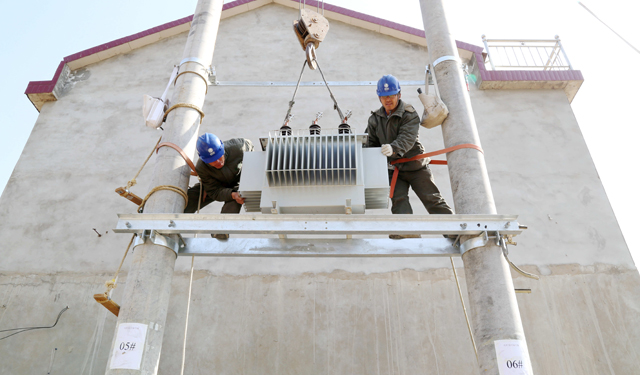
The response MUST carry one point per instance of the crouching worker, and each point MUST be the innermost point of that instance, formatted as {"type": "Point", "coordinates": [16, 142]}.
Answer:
{"type": "Point", "coordinates": [394, 127]}
{"type": "Point", "coordinates": [219, 169]}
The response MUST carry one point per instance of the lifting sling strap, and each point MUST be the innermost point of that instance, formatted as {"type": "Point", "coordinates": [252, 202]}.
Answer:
{"type": "Point", "coordinates": [426, 155]}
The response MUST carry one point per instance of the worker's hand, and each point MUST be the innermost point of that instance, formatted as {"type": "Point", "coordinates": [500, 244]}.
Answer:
{"type": "Point", "coordinates": [237, 197]}
{"type": "Point", "coordinates": [386, 150]}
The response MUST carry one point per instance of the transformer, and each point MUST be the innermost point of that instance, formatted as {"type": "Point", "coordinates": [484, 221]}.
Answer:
{"type": "Point", "coordinates": [314, 174]}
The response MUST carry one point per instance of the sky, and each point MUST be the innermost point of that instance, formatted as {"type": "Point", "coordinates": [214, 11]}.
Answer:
{"type": "Point", "coordinates": [37, 34]}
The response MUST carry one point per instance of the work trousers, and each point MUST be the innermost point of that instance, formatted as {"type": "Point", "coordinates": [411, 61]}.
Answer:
{"type": "Point", "coordinates": [421, 181]}
{"type": "Point", "coordinates": [229, 207]}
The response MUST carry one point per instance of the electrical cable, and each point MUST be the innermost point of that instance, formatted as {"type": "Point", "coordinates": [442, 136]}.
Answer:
{"type": "Point", "coordinates": [523, 273]}
{"type": "Point", "coordinates": [25, 329]}
{"type": "Point", "coordinates": [619, 36]}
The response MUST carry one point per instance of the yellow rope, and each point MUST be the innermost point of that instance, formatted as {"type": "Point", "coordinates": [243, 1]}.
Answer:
{"type": "Point", "coordinates": [455, 274]}
{"type": "Point", "coordinates": [133, 180]}
{"type": "Point", "coordinates": [165, 187]}
{"type": "Point", "coordinates": [186, 323]}
{"type": "Point", "coordinates": [185, 105]}
{"type": "Point", "coordinates": [206, 84]}
{"type": "Point", "coordinates": [111, 284]}
{"type": "Point", "coordinates": [200, 195]}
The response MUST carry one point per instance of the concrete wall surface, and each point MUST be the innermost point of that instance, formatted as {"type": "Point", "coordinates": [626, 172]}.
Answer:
{"type": "Point", "coordinates": [305, 316]}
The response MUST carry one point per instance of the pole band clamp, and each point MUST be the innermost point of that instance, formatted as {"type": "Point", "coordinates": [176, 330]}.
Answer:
{"type": "Point", "coordinates": [474, 242]}
{"type": "Point", "coordinates": [446, 58]}
{"type": "Point", "coordinates": [153, 237]}
{"type": "Point", "coordinates": [194, 60]}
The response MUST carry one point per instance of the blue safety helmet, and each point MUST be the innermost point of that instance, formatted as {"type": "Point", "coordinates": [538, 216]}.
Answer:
{"type": "Point", "coordinates": [388, 85]}
{"type": "Point", "coordinates": [210, 148]}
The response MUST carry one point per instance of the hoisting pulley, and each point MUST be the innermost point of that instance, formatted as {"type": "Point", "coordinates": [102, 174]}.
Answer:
{"type": "Point", "coordinates": [310, 29]}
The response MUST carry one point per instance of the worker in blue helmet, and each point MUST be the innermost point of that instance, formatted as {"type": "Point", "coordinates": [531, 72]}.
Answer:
{"type": "Point", "coordinates": [394, 128]}
{"type": "Point", "coordinates": [219, 169]}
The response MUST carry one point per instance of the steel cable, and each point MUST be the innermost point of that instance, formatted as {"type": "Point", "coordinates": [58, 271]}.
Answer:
{"type": "Point", "coordinates": [25, 329]}
{"type": "Point", "coordinates": [335, 103]}
{"type": "Point", "coordinates": [292, 102]}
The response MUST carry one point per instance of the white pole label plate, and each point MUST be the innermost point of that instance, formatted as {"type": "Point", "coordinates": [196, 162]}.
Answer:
{"type": "Point", "coordinates": [513, 357]}
{"type": "Point", "coordinates": [127, 353]}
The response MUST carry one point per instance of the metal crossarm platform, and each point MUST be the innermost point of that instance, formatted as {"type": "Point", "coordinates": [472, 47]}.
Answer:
{"type": "Point", "coordinates": [323, 248]}
{"type": "Point", "coordinates": [368, 225]}
{"type": "Point", "coordinates": [167, 230]}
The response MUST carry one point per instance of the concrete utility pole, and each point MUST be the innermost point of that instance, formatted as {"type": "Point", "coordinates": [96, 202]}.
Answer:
{"type": "Point", "coordinates": [141, 323]}
{"type": "Point", "coordinates": [494, 309]}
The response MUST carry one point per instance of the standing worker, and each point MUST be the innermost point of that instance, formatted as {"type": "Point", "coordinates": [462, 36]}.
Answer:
{"type": "Point", "coordinates": [219, 169]}
{"type": "Point", "coordinates": [394, 128]}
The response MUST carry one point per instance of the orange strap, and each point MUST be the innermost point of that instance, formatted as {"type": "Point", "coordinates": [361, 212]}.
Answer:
{"type": "Point", "coordinates": [184, 156]}
{"type": "Point", "coordinates": [426, 155]}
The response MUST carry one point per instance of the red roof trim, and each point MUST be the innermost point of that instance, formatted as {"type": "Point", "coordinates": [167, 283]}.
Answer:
{"type": "Point", "coordinates": [127, 39]}
{"type": "Point", "coordinates": [468, 47]}
{"type": "Point", "coordinates": [365, 17]}
{"type": "Point", "coordinates": [37, 87]}
{"type": "Point", "coordinates": [40, 87]}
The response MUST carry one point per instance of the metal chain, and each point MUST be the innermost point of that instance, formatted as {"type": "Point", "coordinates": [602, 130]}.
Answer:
{"type": "Point", "coordinates": [335, 103]}
{"type": "Point", "coordinates": [292, 102]}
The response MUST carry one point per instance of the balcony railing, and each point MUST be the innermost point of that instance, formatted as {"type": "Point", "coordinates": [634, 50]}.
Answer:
{"type": "Point", "coordinates": [526, 54]}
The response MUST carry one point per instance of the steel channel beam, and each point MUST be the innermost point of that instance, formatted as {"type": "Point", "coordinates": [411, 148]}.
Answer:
{"type": "Point", "coordinates": [333, 248]}
{"type": "Point", "coordinates": [469, 225]}
{"type": "Point", "coordinates": [308, 83]}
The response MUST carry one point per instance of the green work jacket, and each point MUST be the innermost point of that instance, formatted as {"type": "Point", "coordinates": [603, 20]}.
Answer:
{"type": "Point", "coordinates": [220, 183]}
{"type": "Point", "coordinates": [400, 130]}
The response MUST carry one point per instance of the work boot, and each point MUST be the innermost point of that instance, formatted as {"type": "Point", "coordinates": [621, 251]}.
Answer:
{"type": "Point", "coordinates": [401, 236]}
{"type": "Point", "coordinates": [220, 236]}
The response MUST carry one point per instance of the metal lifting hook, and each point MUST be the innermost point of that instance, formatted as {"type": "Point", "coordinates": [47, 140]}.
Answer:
{"type": "Point", "coordinates": [311, 28]}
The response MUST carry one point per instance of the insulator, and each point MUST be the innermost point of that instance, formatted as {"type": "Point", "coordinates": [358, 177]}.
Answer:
{"type": "Point", "coordinates": [314, 129]}
{"type": "Point", "coordinates": [344, 128]}
{"type": "Point", "coordinates": [285, 130]}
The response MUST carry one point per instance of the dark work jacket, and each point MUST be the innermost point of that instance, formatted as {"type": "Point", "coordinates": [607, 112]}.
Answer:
{"type": "Point", "coordinates": [400, 130]}
{"type": "Point", "coordinates": [220, 183]}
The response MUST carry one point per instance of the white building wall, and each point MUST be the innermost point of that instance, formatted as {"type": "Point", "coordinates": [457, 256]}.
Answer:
{"type": "Point", "coordinates": [293, 316]}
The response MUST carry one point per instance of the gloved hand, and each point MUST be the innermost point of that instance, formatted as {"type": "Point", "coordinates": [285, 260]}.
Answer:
{"type": "Point", "coordinates": [237, 197]}
{"type": "Point", "coordinates": [386, 150]}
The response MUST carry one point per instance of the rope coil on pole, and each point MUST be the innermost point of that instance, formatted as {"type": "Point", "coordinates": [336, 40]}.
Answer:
{"type": "Point", "coordinates": [182, 153]}
{"type": "Point", "coordinates": [206, 83]}
{"type": "Point", "coordinates": [184, 105]}
{"type": "Point", "coordinates": [164, 187]}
